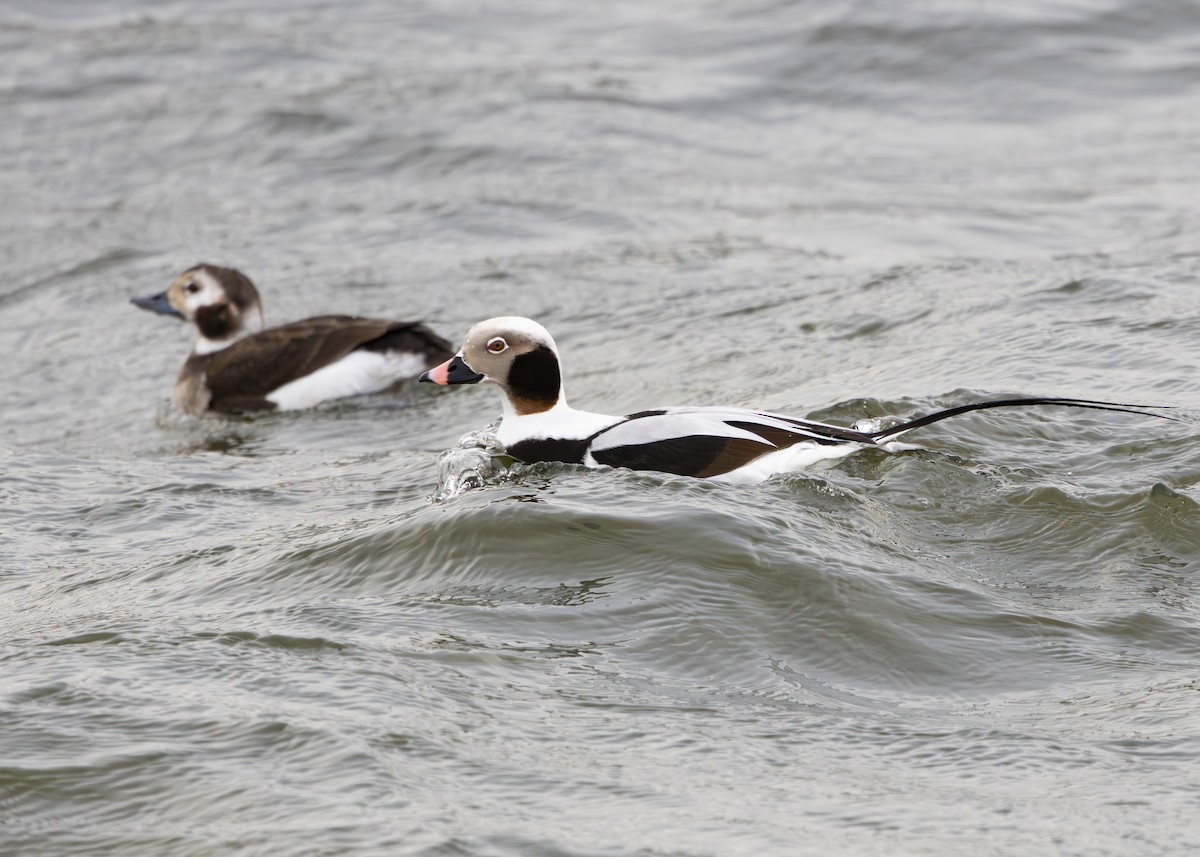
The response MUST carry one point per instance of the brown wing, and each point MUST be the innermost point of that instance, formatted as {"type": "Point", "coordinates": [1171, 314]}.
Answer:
{"type": "Point", "coordinates": [414, 337]}
{"type": "Point", "coordinates": [242, 375]}
{"type": "Point", "coordinates": [694, 455]}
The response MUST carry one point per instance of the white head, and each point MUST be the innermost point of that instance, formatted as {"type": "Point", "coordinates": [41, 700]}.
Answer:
{"type": "Point", "coordinates": [516, 353]}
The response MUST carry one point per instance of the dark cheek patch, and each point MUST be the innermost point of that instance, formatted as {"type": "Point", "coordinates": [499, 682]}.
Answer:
{"type": "Point", "coordinates": [534, 380]}
{"type": "Point", "coordinates": [216, 322]}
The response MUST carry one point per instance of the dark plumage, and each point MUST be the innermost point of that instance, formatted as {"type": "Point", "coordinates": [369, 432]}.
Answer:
{"type": "Point", "coordinates": [237, 366]}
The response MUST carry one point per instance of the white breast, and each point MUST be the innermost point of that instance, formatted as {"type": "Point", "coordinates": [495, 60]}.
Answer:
{"type": "Point", "coordinates": [359, 372]}
{"type": "Point", "coordinates": [560, 422]}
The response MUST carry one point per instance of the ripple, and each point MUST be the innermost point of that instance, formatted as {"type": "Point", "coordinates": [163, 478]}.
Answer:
{"type": "Point", "coordinates": [325, 633]}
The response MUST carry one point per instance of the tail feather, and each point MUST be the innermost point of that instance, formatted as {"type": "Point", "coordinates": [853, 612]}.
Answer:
{"type": "Point", "coordinates": [1144, 410]}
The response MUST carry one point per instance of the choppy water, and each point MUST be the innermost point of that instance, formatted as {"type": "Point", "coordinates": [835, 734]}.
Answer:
{"type": "Point", "coordinates": [268, 637]}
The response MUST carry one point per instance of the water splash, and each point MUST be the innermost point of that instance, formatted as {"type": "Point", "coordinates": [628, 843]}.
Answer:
{"type": "Point", "coordinates": [476, 460]}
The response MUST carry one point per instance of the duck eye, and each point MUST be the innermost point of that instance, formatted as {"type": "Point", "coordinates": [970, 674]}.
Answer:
{"type": "Point", "coordinates": [497, 345]}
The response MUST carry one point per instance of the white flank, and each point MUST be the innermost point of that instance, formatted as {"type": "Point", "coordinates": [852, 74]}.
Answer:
{"type": "Point", "coordinates": [357, 373]}
{"type": "Point", "coordinates": [787, 460]}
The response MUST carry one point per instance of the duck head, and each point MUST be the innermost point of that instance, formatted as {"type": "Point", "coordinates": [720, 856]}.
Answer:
{"type": "Point", "coordinates": [222, 302]}
{"type": "Point", "coordinates": [517, 354]}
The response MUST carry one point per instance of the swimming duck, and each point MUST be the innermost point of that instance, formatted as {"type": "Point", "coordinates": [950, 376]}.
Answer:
{"type": "Point", "coordinates": [237, 365]}
{"type": "Point", "coordinates": [723, 444]}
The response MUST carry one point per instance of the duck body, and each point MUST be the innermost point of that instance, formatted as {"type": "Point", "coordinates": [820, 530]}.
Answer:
{"type": "Point", "coordinates": [723, 444]}
{"type": "Point", "coordinates": [237, 366]}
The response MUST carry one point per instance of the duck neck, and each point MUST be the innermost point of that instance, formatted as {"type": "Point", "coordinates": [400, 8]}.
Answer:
{"type": "Point", "coordinates": [523, 406]}
{"type": "Point", "coordinates": [222, 325]}
{"type": "Point", "coordinates": [560, 421]}
{"type": "Point", "coordinates": [534, 383]}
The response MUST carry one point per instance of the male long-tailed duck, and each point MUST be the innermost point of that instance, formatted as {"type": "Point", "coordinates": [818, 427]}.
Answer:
{"type": "Point", "coordinates": [723, 444]}
{"type": "Point", "coordinates": [237, 366]}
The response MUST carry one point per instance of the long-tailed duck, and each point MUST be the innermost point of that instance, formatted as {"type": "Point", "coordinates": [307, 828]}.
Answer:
{"type": "Point", "coordinates": [237, 366]}
{"type": "Point", "coordinates": [724, 444]}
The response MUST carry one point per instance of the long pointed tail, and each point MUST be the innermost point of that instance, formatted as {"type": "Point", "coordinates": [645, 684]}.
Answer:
{"type": "Point", "coordinates": [1144, 410]}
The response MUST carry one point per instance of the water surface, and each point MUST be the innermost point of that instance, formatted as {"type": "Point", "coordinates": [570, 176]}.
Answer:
{"type": "Point", "coordinates": [289, 636]}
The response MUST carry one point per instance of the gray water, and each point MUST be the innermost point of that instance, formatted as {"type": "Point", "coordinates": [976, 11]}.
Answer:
{"type": "Point", "coordinates": [323, 634]}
